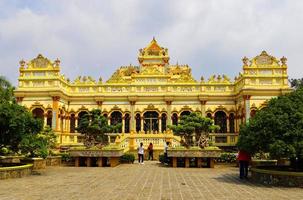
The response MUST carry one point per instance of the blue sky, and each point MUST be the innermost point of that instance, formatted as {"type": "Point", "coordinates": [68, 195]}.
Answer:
{"type": "Point", "coordinates": [96, 37]}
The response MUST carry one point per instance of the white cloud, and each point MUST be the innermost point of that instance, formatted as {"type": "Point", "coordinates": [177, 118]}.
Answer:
{"type": "Point", "coordinates": [96, 37]}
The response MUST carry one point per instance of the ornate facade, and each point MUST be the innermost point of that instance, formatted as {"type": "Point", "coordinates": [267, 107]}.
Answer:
{"type": "Point", "coordinates": [148, 97]}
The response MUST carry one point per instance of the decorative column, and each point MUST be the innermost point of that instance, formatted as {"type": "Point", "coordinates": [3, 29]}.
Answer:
{"type": "Point", "coordinates": [168, 108]}
{"type": "Point", "coordinates": [247, 107]}
{"type": "Point", "coordinates": [160, 124]}
{"type": "Point", "coordinates": [227, 124]}
{"type": "Point", "coordinates": [142, 120]}
{"type": "Point", "coordinates": [55, 117]}
{"type": "Point", "coordinates": [76, 123]}
{"type": "Point", "coordinates": [203, 103]}
{"type": "Point", "coordinates": [132, 115]}
{"type": "Point", "coordinates": [45, 119]}
{"type": "Point", "coordinates": [123, 124]}
{"type": "Point", "coordinates": [67, 126]}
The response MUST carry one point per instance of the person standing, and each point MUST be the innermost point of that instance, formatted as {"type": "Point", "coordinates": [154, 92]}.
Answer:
{"type": "Point", "coordinates": [243, 158]}
{"type": "Point", "coordinates": [150, 151]}
{"type": "Point", "coordinates": [141, 153]}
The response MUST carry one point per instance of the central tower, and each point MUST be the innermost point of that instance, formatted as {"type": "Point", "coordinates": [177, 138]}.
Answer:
{"type": "Point", "coordinates": [153, 56]}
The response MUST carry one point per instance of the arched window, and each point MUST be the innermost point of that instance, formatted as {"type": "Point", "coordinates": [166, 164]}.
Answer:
{"type": "Point", "coordinates": [126, 124]}
{"type": "Point", "coordinates": [252, 113]}
{"type": "Point", "coordinates": [72, 123]}
{"type": "Point", "coordinates": [81, 115]}
{"type": "Point", "coordinates": [174, 119]}
{"type": "Point", "coordinates": [38, 113]}
{"type": "Point", "coordinates": [231, 122]}
{"type": "Point", "coordinates": [209, 115]}
{"type": "Point", "coordinates": [138, 122]}
{"type": "Point", "coordinates": [61, 120]}
{"type": "Point", "coordinates": [163, 122]}
{"type": "Point", "coordinates": [151, 122]}
{"type": "Point", "coordinates": [49, 118]}
{"type": "Point", "coordinates": [186, 112]}
{"type": "Point", "coordinates": [220, 120]}
{"type": "Point", "coordinates": [116, 118]}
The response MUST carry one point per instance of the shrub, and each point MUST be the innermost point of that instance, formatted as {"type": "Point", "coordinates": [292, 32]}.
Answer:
{"type": "Point", "coordinates": [65, 157]}
{"type": "Point", "coordinates": [127, 158]}
{"type": "Point", "coordinates": [227, 158]}
{"type": "Point", "coordinates": [161, 158]}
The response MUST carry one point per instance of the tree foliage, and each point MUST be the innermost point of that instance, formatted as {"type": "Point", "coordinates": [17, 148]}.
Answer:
{"type": "Point", "coordinates": [94, 126]}
{"type": "Point", "coordinates": [15, 120]}
{"type": "Point", "coordinates": [277, 129]}
{"type": "Point", "coordinates": [193, 125]}
{"type": "Point", "coordinates": [6, 90]}
{"type": "Point", "coordinates": [296, 83]}
{"type": "Point", "coordinates": [38, 145]}
{"type": "Point", "coordinates": [19, 130]}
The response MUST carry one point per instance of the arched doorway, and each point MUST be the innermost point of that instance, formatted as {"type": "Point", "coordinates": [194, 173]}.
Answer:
{"type": "Point", "coordinates": [49, 118]}
{"type": "Point", "coordinates": [221, 120]}
{"type": "Point", "coordinates": [127, 122]}
{"type": "Point", "coordinates": [163, 122]}
{"type": "Point", "coordinates": [151, 122]}
{"type": "Point", "coordinates": [116, 118]}
{"type": "Point", "coordinates": [186, 112]}
{"type": "Point", "coordinates": [174, 119]}
{"type": "Point", "coordinates": [81, 115]}
{"type": "Point", "coordinates": [252, 113]}
{"type": "Point", "coordinates": [138, 122]}
{"type": "Point", "coordinates": [231, 122]}
{"type": "Point", "coordinates": [38, 113]}
{"type": "Point", "coordinates": [72, 123]}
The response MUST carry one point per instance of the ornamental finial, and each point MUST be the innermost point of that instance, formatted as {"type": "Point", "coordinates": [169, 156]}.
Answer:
{"type": "Point", "coordinates": [22, 63]}
{"type": "Point", "coordinates": [57, 62]}
{"type": "Point", "coordinates": [245, 61]}
{"type": "Point", "coordinates": [283, 60]}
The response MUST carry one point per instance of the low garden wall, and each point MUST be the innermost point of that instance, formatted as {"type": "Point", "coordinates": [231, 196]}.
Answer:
{"type": "Point", "coordinates": [38, 163]}
{"type": "Point", "coordinates": [194, 157]}
{"type": "Point", "coordinates": [16, 171]}
{"type": "Point", "coordinates": [53, 161]}
{"type": "Point", "coordinates": [277, 178]}
{"type": "Point", "coordinates": [97, 157]}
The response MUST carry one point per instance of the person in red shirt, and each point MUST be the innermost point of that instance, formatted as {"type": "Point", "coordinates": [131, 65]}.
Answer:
{"type": "Point", "coordinates": [243, 158]}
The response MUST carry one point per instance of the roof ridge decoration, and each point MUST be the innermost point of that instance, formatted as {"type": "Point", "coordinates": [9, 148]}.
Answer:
{"type": "Point", "coordinates": [218, 79]}
{"type": "Point", "coordinates": [84, 80]}
{"type": "Point", "coordinates": [264, 59]}
{"type": "Point", "coordinates": [41, 62]}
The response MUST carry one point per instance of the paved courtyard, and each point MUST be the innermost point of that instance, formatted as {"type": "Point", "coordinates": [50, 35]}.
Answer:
{"type": "Point", "coordinates": [148, 181]}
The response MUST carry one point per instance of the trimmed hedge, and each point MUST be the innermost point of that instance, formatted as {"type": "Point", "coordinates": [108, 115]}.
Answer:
{"type": "Point", "coordinates": [127, 158]}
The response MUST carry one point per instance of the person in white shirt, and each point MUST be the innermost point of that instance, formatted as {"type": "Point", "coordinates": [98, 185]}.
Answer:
{"type": "Point", "coordinates": [141, 153]}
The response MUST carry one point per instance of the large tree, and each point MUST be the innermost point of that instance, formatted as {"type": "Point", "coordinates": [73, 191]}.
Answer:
{"type": "Point", "coordinates": [15, 120]}
{"type": "Point", "coordinates": [194, 125]}
{"type": "Point", "coordinates": [277, 129]}
{"type": "Point", "coordinates": [94, 126]}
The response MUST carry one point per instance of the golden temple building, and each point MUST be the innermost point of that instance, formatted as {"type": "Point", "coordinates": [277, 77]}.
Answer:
{"type": "Point", "coordinates": [148, 97]}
